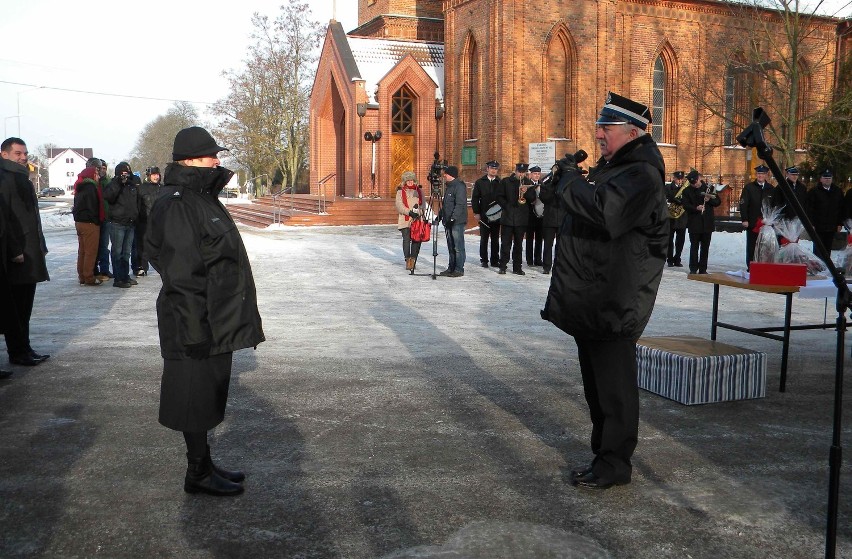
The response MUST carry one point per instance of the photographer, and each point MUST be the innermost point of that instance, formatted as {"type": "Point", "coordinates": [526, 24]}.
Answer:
{"type": "Point", "coordinates": [122, 194]}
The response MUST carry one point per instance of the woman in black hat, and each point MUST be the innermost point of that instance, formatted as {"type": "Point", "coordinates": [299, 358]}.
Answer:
{"type": "Point", "coordinates": [207, 306]}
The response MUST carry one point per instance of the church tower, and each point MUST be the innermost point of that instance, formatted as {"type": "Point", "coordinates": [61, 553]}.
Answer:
{"type": "Point", "coordinates": [401, 19]}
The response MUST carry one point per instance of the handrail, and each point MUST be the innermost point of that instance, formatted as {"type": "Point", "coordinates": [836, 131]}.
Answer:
{"type": "Point", "coordinates": [321, 184]}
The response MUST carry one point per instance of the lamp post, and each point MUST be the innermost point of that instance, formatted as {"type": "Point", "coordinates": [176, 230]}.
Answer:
{"type": "Point", "coordinates": [18, 95]}
{"type": "Point", "coordinates": [362, 110]}
{"type": "Point", "coordinates": [373, 137]}
{"type": "Point", "coordinates": [5, 128]}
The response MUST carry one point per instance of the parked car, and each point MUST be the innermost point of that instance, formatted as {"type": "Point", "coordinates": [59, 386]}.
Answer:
{"type": "Point", "coordinates": [226, 193]}
{"type": "Point", "coordinates": [51, 191]}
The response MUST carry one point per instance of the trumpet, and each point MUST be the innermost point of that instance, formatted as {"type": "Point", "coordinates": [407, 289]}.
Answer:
{"type": "Point", "coordinates": [521, 191]}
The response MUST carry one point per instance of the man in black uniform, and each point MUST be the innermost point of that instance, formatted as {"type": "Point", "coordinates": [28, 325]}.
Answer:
{"type": "Point", "coordinates": [798, 188]}
{"type": "Point", "coordinates": [699, 201]}
{"type": "Point", "coordinates": [554, 215]}
{"type": "Point", "coordinates": [207, 307]}
{"type": "Point", "coordinates": [825, 208]}
{"type": "Point", "coordinates": [677, 219]}
{"type": "Point", "coordinates": [754, 195]}
{"type": "Point", "coordinates": [606, 276]}
{"type": "Point", "coordinates": [482, 199]}
{"type": "Point", "coordinates": [513, 197]}
{"type": "Point", "coordinates": [536, 219]}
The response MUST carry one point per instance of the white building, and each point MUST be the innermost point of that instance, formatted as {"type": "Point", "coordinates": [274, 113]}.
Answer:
{"type": "Point", "coordinates": [64, 164]}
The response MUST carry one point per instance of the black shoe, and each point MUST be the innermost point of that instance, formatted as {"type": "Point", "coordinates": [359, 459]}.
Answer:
{"type": "Point", "coordinates": [26, 360]}
{"type": "Point", "coordinates": [581, 471]}
{"type": "Point", "coordinates": [671, 264]}
{"type": "Point", "coordinates": [234, 476]}
{"type": "Point", "coordinates": [132, 281]}
{"type": "Point", "coordinates": [5, 374]}
{"type": "Point", "coordinates": [39, 357]}
{"type": "Point", "coordinates": [501, 271]}
{"type": "Point", "coordinates": [678, 265]}
{"type": "Point", "coordinates": [139, 273]}
{"type": "Point", "coordinates": [519, 272]}
{"type": "Point", "coordinates": [202, 478]}
{"type": "Point", "coordinates": [485, 264]}
{"type": "Point", "coordinates": [122, 284]}
{"type": "Point", "coordinates": [546, 271]}
{"type": "Point", "coordinates": [700, 272]}
{"type": "Point", "coordinates": [457, 274]}
{"type": "Point", "coordinates": [445, 273]}
{"type": "Point", "coordinates": [693, 271]}
{"type": "Point", "coordinates": [591, 481]}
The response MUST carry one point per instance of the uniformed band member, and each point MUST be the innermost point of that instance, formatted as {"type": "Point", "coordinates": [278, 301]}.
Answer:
{"type": "Point", "coordinates": [514, 196]}
{"type": "Point", "coordinates": [699, 199]}
{"type": "Point", "coordinates": [677, 218]}
{"type": "Point", "coordinates": [207, 307]}
{"type": "Point", "coordinates": [825, 208]}
{"type": "Point", "coordinates": [535, 224]}
{"type": "Point", "coordinates": [483, 198]}
{"type": "Point", "coordinates": [798, 188]}
{"type": "Point", "coordinates": [751, 202]}
{"type": "Point", "coordinates": [606, 276]}
{"type": "Point", "coordinates": [554, 216]}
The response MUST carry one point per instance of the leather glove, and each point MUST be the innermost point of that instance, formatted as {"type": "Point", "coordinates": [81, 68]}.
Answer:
{"type": "Point", "coordinates": [567, 164]}
{"type": "Point", "coordinates": [198, 351]}
{"type": "Point", "coordinates": [413, 214]}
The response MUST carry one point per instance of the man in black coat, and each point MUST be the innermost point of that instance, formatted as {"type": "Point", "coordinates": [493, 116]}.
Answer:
{"type": "Point", "coordinates": [825, 208]}
{"type": "Point", "coordinates": [606, 276]}
{"type": "Point", "coordinates": [554, 216]}
{"type": "Point", "coordinates": [513, 197]}
{"type": "Point", "coordinates": [677, 218]}
{"type": "Point", "coordinates": [699, 199]}
{"type": "Point", "coordinates": [482, 199]}
{"type": "Point", "coordinates": [26, 249]}
{"type": "Point", "coordinates": [7, 308]}
{"type": "Point", "coordinates": [207, 307]}
{"type": "Point", "coordinates": [122, 194]}
{"type": "Point", "coordinates": [148, 192]}
{"type": "Point", "coordinates": [752, 198]}
{"type": "Point", "coordinates": [535, 225]}
{"type": "Point", "coordinates": [799, 190]}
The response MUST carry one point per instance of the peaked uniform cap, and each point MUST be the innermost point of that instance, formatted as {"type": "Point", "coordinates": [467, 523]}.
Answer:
{"type": "Point", "coordinates": [678, 174]}
{"type": "Point", "coordinates": [493, 164]}
{"type": "Point", "coordinates": [761, 169]}
{"type": "Point", "coordinates": [621, 110]}
{"type": "Point", "coordinates": [792, 170]}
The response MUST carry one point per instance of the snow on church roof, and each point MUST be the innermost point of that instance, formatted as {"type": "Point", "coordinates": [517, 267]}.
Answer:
{"type": "Point", "coordinates": [376, 57]}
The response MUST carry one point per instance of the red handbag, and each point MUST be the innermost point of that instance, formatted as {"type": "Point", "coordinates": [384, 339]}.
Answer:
{"type": "Point", "coordinates": [421, 230]}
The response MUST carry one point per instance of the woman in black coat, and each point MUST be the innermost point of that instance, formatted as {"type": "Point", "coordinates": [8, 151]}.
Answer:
{"type": "Point", "coordinates": [207, 307]}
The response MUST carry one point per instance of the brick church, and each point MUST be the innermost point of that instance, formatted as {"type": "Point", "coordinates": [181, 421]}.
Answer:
{"type": "Point", "coordinates": [476, 80]}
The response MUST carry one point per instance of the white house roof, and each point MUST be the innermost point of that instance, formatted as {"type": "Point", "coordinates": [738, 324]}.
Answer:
{"type": "Point", "coordinates": [56, 153]}
{"type": "Point", "coordinates": [376, 57]}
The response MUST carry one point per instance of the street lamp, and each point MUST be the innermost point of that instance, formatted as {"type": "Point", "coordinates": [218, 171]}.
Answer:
{"type": "Point", "coordinates": [373, 137]}
{"type": "Point", "coordinates": [18, 95]}
{"type": "Point", "coordinates": [362, 110]}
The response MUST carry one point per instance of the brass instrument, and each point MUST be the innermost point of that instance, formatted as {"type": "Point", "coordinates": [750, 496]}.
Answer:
{"type": "Point", "coordinates": [521, 191]}
{"type": "Point", "coordinates": [709, 192]}
{"type": "Point", "coordinates": [675, 209]}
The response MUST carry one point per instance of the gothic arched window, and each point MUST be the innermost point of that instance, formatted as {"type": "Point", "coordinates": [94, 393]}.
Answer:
{"type": "Point", "coordinates": [658, 109]}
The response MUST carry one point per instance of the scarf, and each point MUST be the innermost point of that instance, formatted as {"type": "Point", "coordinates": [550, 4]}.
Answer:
{"type": "Point", "coordinates": [405, 198]}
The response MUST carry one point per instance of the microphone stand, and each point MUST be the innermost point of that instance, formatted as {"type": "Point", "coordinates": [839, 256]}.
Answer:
{"type": "Point", "coordinates": [753, 137]}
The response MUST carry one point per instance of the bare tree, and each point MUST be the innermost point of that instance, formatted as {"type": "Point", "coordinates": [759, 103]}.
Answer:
{"type": "Point", "coordinates": [777, 56]}
{"type": "Point", "coordinates": [154, 146]}
{"type": "Point", "coordinates": [830, 135]}
{"type": "Point", "coordinates": [264, 120]}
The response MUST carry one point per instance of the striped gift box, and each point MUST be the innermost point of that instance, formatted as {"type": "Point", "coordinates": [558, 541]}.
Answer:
{"type": "Point", "coordinates": [693, 370]}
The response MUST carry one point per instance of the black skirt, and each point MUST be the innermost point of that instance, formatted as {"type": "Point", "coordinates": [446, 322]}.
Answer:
{"type": "Point", "coordinates": [194, 392]}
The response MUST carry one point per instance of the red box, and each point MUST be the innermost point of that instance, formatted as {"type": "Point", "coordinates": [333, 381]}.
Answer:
{"type": "Point", "coordinates": [764, 273]}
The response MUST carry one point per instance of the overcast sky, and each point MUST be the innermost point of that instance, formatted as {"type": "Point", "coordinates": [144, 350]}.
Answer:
{"type": "Point", "coordinates": [172, 50]}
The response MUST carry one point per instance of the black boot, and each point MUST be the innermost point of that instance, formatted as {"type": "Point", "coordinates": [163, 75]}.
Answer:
{"type": "Point", "coordinates": [200, 478]}
{"type": "Point", "coordinates": [235, 476]}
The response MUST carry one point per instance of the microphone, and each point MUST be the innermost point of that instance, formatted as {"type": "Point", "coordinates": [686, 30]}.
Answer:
{"type": "Point", "coordinates": [580, 156]}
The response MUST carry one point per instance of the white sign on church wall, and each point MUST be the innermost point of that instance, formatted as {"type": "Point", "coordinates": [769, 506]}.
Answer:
{"type": "Point", "coordinates": [542, 154]}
